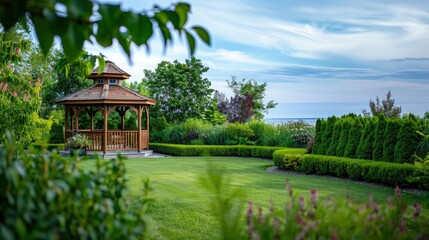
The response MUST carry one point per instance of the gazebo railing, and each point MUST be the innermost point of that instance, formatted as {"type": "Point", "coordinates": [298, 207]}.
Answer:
{"type": "Point", "coordinates": [116, 139]}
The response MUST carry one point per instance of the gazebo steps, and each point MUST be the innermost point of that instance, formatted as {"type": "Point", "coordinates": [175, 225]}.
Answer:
{"type": "Point", "coordinates": [113, 154]}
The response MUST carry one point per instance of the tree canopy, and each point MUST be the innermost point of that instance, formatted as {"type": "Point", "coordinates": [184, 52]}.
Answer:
{"type": "Point", "coordinates": [77, 21]}
{"type": "Point", "coordinates": [247, 101]}
{"type": "Point", "coordinates": [20, 89]}
{"type": "Point", "coordinates": [180, 89]}
{"type": "Point", "coordinates": [386, 107]}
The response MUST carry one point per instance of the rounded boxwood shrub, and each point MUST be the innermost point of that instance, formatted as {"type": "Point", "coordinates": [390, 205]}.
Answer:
{"type": "Point", "coordinates": [287, 161]}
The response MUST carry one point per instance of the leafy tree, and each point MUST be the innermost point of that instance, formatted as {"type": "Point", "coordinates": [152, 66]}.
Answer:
{"type": "Point", "coordinates": [67, 80]}
{"type": "Point", "coordinates": [247, 101]}
{"type": "Point", "coordinates": [20, 92]}
{"type": "Point", "coordinates": [390, 139]}
{"type": "Point", "coordinates": [77, 21]}
{"type": "Point", "coordinates": [408, 140]}
{"type": "Point", "coordinates": [238, 108]}
{"type": "Point", "coordinates": [180, 90]}
{"type": "Point", "coordinates": [386, 107]}
{"type": "Point", "coordinates": [212, 114]}
{"type": "Point", "coordinates": [380, 129]}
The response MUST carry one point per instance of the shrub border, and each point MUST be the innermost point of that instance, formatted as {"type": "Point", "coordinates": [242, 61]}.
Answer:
{"type": "Point", "coordinates": [220, 150]}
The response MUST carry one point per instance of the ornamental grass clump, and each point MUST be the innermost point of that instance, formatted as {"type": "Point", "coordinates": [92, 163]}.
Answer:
{"type": "Point", "coordinates": [79, 141]}
{"type": "Point", "coordinates": [314, 218]}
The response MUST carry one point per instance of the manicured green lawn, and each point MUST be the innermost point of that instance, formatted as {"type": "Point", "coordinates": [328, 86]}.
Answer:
{"type": "Point", "coordinates": [181, 205]}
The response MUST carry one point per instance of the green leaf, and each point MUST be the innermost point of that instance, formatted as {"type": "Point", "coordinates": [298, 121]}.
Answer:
{"type": "Point", "coordinates": [203, 34]}
{"type": "Point", "coordinates": [101, 64]}
{"type": "Point", "coordinates": [80, 9]}
{"type": "Point", "coordinates": [139, 27]}
{"type": "Point", "coordinates": [108, 26]}
{"type": "Point", "coordinates": [72, 41]}
{"type": "Point", "coordinates": [174, 18]}
{"type": "Point", "coordinates": [191, 42]}
{"type": "Point", "coordinates": [44, 34]}
{"type": "Point", "coordinates": [125, 43]}
{"type": "Point", "coordinates": [182, 10]}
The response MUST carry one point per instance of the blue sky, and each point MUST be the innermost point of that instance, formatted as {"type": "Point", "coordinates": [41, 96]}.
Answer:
{"type": "Point", "coordinates": [319, 58]}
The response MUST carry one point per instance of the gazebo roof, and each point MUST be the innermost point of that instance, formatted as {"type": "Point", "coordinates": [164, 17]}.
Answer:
{"type": "Point", "coordinates": [105, 94]}
{"type": "Point", "coordinates": [110, 70]}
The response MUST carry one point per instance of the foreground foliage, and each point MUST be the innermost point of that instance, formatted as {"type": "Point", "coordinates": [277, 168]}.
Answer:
{"type": "Point", "coordinates": [312, 218]}
{"type": "Point", "coordinates": [50, 197]}
{"type": "Point", "coordinates": [78, 21]}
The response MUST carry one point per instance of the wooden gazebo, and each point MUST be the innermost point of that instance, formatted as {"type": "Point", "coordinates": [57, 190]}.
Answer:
{"type": "Point", "coordinates": [105, 96]}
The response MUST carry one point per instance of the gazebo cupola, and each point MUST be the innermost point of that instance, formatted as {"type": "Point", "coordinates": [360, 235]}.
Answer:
{"type": "Point", "coordinates": [87, 112]}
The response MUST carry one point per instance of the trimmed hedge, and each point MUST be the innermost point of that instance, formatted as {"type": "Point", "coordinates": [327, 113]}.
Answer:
{"type": "Point", "coordinates": [285, 160]}
{"type": "Point", "coordinates": [219, 150]}
{"type": "Point", "coordinates": [393, 174]}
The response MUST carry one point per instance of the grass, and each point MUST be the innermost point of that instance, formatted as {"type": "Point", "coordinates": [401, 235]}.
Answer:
{"type": "Point", "coordinates": [181, 205]}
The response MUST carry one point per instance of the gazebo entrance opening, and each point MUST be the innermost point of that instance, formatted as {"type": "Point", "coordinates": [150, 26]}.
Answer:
{"type": "Point", "coordinates": [112, 116]}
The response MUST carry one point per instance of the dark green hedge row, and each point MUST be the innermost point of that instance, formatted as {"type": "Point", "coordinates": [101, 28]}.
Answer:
{"type": "Point", "coordinates": [393, 174]}
{"type": "Point", "coordinates": [219, 150]}
{"type": "Point", "coordinates": [45, 146]}
{"type": "Point", "coordinates": [376, 138]}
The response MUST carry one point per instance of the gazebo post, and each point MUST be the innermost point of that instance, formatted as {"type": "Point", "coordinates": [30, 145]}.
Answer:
{"type": "Point", "coordinates": [139, 133]}
{"type": "Point", "coordinates": [105, 130]}
{"type": "Point", "coordinates": [91, 114]}
{"type": "Point", "coordinates": [66, 123]}
{"type": "Point", "coordinates": [76, 118]}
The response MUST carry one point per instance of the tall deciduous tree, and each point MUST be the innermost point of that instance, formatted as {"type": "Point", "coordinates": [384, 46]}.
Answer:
{"type": "Point", "coordinates": [19, 90]}
{"type": "Point", "coordinates": [180, 90]}
{"type": "Point", "coordinates": [67, 80]}
{"type": "Point", "coordinates": [247, 101]}
{"type": "Point", "coordinates": [386, 107]}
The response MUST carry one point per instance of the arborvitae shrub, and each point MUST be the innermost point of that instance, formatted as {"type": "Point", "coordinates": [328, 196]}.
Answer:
{"type": "Point", "coordinates": [344, 136]}
{"type": "Point", "coordinates": [380, 129]}
{"type": "Point", "coordinates": [354, 137]}
{"type": "Point", "coordinates": [367, 146]}
{"type": "Point", "coordinates": [320, 128]}
{"type": "Point", "coordinates": [332, 149]}
{"type": "Point", "coordinates": [390, 139]}
{"type": "Point", "coordinates": [327, 135]}
{"type": "Point", "coordinates": [363, 136]}
{"type": "Point", "coordinates": [408, 139]}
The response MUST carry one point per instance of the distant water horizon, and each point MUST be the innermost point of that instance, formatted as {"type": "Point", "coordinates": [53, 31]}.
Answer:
{"type": "Point", "coordinates": [286, 120]}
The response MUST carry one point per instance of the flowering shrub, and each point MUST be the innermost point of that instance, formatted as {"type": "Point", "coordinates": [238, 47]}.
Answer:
{"type": "Point", "coordinates": [313, 218]}
{"type": "Point", "coordinates": [79, 141]}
